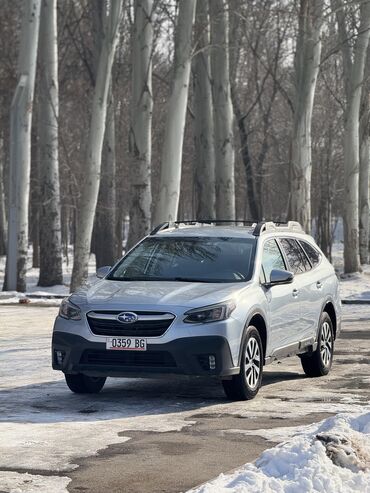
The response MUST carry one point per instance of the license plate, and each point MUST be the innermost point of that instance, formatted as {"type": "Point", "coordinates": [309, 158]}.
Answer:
{"type": "Point", "coordinates": [125, 344]}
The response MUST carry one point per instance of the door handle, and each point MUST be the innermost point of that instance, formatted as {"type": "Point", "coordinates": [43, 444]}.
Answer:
{"type": "Point", "coordinates": [295, 293]}
{"type": "Point", "coordinates": [319, 285]}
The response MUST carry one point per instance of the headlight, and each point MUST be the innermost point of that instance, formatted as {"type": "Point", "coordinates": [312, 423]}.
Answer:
{"type": "Point", "coordinates": [213, 313]}
{"type": "Point", "coordinates": [69, 311]}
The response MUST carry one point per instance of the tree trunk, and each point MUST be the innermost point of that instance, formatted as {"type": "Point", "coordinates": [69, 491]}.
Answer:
{"type": "Point", "coordinates": [307, 61]}
{"type": "Point", "coordinates": [50, 222]}
{"type": "Point", "coordinates": [353, 67]}
{"type": "Point", "coordinates": [20, 155]}
{"type": "Point", "coordinates": [141, 122]}
{"type": "Point", "coordinates": [90, 186]}
{"type": "Point", "coordinates": [204, 159]}
{"type": "Point", "coordinates": [364, 178]}
{"type": "Point", "coordinates": [222, 110]}
{"type": "Point", "coordinates": [3, 225]}
{"type": "Point", "coordinates": [170, 174]}
{"type": "Point", "coordinates": [105, 219]}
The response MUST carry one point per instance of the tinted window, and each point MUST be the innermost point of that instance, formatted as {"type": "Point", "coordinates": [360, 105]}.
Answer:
{"type": "Point", "coordinates": [188, 259]}
{"type": "Point", "coordinates": [271, 258]}
{"type": "Point", "coordinates": [312, 253]}
{"type": "Point", "coordinates": [296, 258]}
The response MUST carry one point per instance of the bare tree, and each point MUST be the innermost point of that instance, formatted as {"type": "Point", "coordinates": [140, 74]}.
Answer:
{"type": "Point", "coordinates": [20, 156]}
{"type": "Point", "coordinates": [90, 187]}
{"type": "Point", "coordinates": [3, 224]}
{"type": "Point", "coordinates": [223, 111]}
{"type": "Point", "coordinates": [105, 218]}
{"type": "Point", "coordinates": [170, 175]}
{"type": "Point", "coordinates": [353, 70]}
{"type": "Point", "coordinates": [141, 121]}
{"type": "Point", "coordinates": [364, 169]}
{"type": "Point", "coordinates": [49, 218]}
{"type": "Point", "coordinates": [204, 158]}
{"type": "Point", "coordinates": [306, 64]}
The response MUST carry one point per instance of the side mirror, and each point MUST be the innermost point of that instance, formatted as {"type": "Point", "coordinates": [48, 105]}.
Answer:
{"type": "Point", "coordinates": [103, 271]}
{"type": "Point", "coordinates": [278, 276]}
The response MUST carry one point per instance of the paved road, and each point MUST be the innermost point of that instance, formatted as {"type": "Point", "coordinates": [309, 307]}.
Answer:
{"type": "Point", "coordinates": [175, 433]}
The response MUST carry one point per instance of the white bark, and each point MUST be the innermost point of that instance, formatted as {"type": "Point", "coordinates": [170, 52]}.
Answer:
{"type": "Point", "coordinates": [141, 122]}
{"type": "Point", "coordinates": [307, 62]}
{"type": "Point", "coordinates": [50, 222]}
{"type": "Point", "coordinates": [353, 66]}
{"type": "Point", "coordinates": [170, 175]}
{"type": "Point", "coordinates": [223, 111]}
{"type": "Point", "coordinates": [90, 186]}
{"type": "Point", "coordinates": [20, 154]}
{"type": "Point", "coordinates": [364, 177]}
{"type": "Point", "coordinates": [204, 159]}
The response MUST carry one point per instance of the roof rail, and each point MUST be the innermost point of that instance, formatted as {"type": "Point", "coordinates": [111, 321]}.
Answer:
{"type": "Point", "coordinates": [258, 227]}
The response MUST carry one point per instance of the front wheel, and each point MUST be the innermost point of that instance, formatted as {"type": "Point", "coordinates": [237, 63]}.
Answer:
{"type": "Point", "coordinates": [318, 363]}
{"type": "Point", "coordinates": [82, 384]}
{"type": "Point", "coordinates": [247, 383]}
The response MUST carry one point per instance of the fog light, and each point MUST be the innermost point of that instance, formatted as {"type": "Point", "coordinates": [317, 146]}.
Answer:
{"type": "Point", "coordinates": [212, 362]}
{"type": "Point", "coordinates": [59, 357]}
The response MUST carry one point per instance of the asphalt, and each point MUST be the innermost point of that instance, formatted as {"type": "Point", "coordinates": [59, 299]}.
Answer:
{"type": "Point", "coordinates": [226, 435]}
{"type": "Point", "coordinates": [206, 435]}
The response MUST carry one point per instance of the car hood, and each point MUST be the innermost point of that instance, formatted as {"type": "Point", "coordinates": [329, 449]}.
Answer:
{"type": "Point", "coordinates": [154, 294]}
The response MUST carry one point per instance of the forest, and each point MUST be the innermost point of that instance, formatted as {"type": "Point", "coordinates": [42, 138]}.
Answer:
{"type": "Point", "coordinates": [118, 115]}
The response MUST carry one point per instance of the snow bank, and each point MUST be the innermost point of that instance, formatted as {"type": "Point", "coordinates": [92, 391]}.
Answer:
{"type": "Point", "coordinates": [334, 457]}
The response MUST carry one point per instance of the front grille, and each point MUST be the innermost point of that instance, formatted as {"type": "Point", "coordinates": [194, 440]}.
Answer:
{"type": "Point", "coordinates": [153, 359]}
{"type": "Point", "coordinates": [141, 328]}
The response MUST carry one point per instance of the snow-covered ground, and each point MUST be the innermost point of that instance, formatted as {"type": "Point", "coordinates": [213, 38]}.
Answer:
{"type": "Point", "coordinates": [330, 457]}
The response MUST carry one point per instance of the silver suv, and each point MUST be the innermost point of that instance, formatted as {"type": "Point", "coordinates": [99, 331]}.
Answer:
{"type": "Point", "coordinates": [203, 298]}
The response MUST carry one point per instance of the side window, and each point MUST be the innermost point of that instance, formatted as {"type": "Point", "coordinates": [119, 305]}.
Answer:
{"type": "Point", "coordinates": [296, 258]}
{"type": "Point", "coordinates": [311, 252]}
{"type": "Point", "coordinates": [271, 258]}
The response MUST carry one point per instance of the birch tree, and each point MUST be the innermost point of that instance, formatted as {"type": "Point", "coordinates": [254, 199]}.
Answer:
{"type": "Point", "coordinates": [170, 173]}
{"type": "Point", "coordinates": [141, 121]}
{"type": "Point", "coordinates": [306, 65]}
{"type": "Point", "coordinates": [222, 110]}
{"type": "Point", "coordinates": [353, 71]}
{"type": "Point", "coordinates": [204, 158]}
{"type": "Point", "coordinates": [90, 186]}
{"type": "Point", "coordinates": [49, 223]}
{"type": "Point", "coordinates": [20, 154]}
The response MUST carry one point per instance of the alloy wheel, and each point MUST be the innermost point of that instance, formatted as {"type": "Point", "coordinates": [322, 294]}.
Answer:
{"type": "Point", "coordinates": [252, 363]}
{"type": "Point", "coordinates": [326, 343]}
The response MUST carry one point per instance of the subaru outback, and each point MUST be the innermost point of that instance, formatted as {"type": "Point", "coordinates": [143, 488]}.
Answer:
{"type": "Point", "coordinates": [203, 298]}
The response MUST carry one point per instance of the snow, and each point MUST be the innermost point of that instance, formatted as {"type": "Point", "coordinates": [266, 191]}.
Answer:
{"type": "Point", "coordinates": [330, 457]}
{"type": "Point", "coordinates": [14, 482]}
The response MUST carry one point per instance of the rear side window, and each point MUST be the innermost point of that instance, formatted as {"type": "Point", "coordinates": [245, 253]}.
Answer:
{"type": "Point", "coordinates": [296, 258]}
{"type": "Point", "coordinates": [271, 258]}
{"type": "Point", "coordinates": [311, 252]}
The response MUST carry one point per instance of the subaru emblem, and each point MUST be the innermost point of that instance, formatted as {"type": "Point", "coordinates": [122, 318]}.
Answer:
{"type": "Point", "coordinates": [127, 317]}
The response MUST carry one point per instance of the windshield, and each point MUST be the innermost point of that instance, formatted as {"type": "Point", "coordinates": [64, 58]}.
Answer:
{"type": "Point", "coordinates": [188, 259]}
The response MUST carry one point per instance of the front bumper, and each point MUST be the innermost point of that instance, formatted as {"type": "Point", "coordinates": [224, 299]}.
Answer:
{"type": "Point", "coordinates": [187, 356]}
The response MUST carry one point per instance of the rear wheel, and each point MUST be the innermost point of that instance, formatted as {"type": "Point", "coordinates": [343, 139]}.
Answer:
{"type": "Point", "coordinates": [318, 363]}
{"type": "Point", "coordinates": [82, 384]}
{"type": "Point", "coordinates": [247, 383]}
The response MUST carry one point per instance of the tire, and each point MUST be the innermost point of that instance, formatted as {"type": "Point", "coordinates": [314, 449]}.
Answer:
{"type": "Point", "coordinates": [247, 383]}
{"type": "Point", "coordinates": [318, 363]}
{"type": "Point", "coordinates": [82, 384]}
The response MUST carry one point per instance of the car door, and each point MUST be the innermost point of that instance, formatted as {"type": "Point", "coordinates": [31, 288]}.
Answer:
{"type": "Point", "coordinates": [301, 267]}
{"type": "Point", "coordinates": [283, 304]}
{"type": "Point", "coordinates": [318, 280]}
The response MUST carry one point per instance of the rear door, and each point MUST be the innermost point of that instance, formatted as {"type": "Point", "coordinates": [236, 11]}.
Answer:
{"type": "Point", "coordinates": [284, 310]}
{"type": "Point", "coordinates": [301, 267]}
